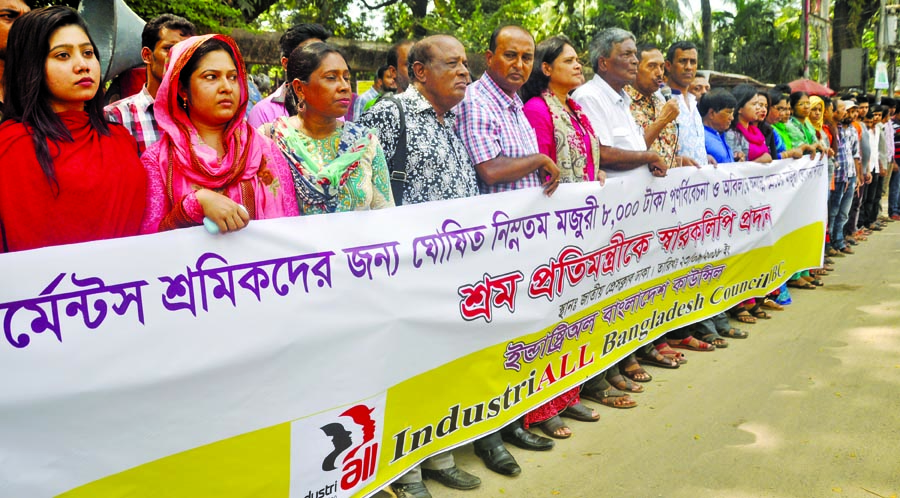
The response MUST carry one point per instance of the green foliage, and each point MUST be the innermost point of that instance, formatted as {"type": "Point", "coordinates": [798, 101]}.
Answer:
{"type": "Point", "coordinates": [209, 17]}
{"type": "Point", "coordinates": [756, 42]}
{"type": "Point", "coordinates": [331, 13]}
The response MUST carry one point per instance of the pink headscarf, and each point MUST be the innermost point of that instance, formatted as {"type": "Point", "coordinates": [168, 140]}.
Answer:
{"type": "Point", "coordinates": [186, 162]}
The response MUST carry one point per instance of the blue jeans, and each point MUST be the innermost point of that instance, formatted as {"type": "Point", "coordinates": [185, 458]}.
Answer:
{"type": "Point", "coordinates": [834, 206]}
{"type": "Point", "coordinates": [839, 211]}
{"type": "Point", "coordinates": [894, 195]}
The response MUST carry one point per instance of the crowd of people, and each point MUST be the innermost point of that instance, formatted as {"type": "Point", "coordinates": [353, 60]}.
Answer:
{"type": "Point", "coordinates": [180, 153]}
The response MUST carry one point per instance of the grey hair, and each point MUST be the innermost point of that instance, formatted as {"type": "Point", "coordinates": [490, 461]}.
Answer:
{"type": "Point", "coordinates": [602, 44]}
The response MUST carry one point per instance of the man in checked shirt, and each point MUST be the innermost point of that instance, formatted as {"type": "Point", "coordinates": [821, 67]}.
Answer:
{"type": "Point", "coordinates": [136, 112]}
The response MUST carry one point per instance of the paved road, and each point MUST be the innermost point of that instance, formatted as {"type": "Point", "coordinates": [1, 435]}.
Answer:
{"type": "Point", "coordinates": [808, 406]}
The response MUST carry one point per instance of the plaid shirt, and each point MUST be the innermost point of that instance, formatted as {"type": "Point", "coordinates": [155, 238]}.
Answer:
{"type": "Point", "coordinates": [136, 114]}
{"type": "Point", "coordinates": [490, 124]}
{"type": "Point", "coordinates": [848, 150]}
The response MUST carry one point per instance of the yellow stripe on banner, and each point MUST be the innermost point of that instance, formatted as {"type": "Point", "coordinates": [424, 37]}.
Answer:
{"type": "Point", "coordinates": [252, 464]}
{"type": "Point", "coordinates": [435, 410]}
{"type": "Point", "coordinates": [456, 402]}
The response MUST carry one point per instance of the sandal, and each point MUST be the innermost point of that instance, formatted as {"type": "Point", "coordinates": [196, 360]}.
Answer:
{"type": "Point", "coordinates": [758, 312]}
{"type": "Point", "coordinates": [716, 340]}
{"type": "Point", "coordinates": [623, 383]}
{"type": "Point", "coordinates": [800, 284]}
{"type": "Point", "coordinates": [734, 333]}
{"type": "Point", "coordinates": [610, 397]}
{"type": "Point", "coordinates": [554, 426]}
{"type": "Point", "coordinates": [667, 351]}
{"type": "Point", "coordinates": [771, 305]}
{"type": "Point", "coordinates": [581, 413]}
{"type": "Point", "coordinates": [742, 315]}
{"type": "Point", "coordinates": [817, 282]}
{"type": "Point", "coordinates": [654, 357]}
{"type": "Point", "coordinates": [633, 370]}
{"type": "Point", "coordinates": [691, 343]}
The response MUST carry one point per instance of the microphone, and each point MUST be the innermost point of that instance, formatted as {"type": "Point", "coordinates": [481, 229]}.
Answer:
{"type": "Point", "coordinates": [666, 92]}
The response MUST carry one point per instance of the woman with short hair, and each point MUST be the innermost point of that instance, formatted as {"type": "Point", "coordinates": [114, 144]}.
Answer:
{"type": "Point", "coordinates": [66, 176]}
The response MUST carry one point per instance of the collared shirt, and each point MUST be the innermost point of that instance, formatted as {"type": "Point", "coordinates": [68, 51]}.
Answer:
{"type": "Point", "coordinates": [691, 137]}
{"type": "Point", "coordinates": [848, 150]}
{"type": "Point", "coordinates": [437, 164]}
{"type": "Point", "coordinates": [359, 105]}
{"type": "Point", "coordinates": [135, 113]}
{"type": "Point", "coordinates": [269, 109]}
{"type": "Point", "coordinates": [717, 146]}
{"type": "Point", "coordinates": [646, 110]}
{"type": "Point", "coordinates": [610, 114]}
{"type": "Point", "coordinates": [490, 123]}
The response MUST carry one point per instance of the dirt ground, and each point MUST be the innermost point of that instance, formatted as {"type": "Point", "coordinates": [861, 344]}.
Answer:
{"type": "Point", "coordinates": [808, 406]}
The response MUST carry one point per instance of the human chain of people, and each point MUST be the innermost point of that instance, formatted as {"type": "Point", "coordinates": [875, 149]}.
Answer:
{"type": "Point", "coordinates": [190, 148]}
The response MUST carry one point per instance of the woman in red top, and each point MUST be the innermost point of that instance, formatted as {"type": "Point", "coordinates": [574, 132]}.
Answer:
{"type": "Point", "coordinates": [66, 176]}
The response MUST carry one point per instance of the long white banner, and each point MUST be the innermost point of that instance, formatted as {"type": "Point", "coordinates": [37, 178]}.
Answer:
{"type": "Point", "coordinates": [299, 357]}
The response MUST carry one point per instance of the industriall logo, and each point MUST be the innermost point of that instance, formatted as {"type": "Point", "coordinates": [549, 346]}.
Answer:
{"type": "Point", "coordinates": [355, 459]}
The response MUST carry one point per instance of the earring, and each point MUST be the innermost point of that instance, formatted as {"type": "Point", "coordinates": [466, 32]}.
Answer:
{"type": "Point", "coordinates": [184, 104]}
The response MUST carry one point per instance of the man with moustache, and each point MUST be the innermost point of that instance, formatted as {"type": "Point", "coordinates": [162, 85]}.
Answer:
{"type": "Point", "coordinates": [10, 10]}
{"type": "Point", "coordinates": [136, 112]}
{"type": "Point", "coordinates": [656, 117]}
{"type": "Point", "coordinates": [437, 168]}
{"type": "Point", "coordinates": [623, 149]}
{"type": "Point", "coordinates": [397, 58]}
{"type": "Point", "coordinates": [504, 151]}
{"type": "Point", "coordinates": [681, 68]}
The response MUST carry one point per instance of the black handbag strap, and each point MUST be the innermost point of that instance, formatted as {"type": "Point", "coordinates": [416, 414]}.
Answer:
{"type": "Point", "coordinates": [397, 161]}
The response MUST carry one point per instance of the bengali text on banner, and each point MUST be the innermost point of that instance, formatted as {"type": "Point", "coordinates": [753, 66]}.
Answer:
{"type": "Point", "coordinates": [324, 356]}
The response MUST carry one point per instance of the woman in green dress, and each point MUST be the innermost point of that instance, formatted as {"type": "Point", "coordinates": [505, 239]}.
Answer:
{"type": "Point", "coordinates": [336, 166]}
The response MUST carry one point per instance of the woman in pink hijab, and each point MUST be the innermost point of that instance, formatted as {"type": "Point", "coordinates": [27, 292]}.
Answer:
{"type": "Point", "coordinates": [209, 162]}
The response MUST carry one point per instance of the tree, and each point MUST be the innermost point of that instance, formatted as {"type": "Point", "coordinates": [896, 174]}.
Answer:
{"type": "Point", "coordinates": [209, 17]}
{"type": "Point", "coordinates": [331, 13]}
{"type": "Point", "coordinates": [850, 18]}
{"type": "Point", "coordinates": [756, 42]}
{"type": "Point", "coordinates": [706, 28]}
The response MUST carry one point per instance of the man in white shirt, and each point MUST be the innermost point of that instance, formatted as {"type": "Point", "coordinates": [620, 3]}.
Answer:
{"type": "Point", "coordinates": [613, 54]}
{"type": "Point", "coordinates": [681, 68]}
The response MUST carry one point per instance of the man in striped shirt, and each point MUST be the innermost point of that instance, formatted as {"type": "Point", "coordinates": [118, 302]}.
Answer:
{"type": "Point", "coordinates": [504, 149]}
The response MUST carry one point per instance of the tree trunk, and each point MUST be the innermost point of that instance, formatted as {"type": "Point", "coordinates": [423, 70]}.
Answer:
{"type": "Point", "coordinates": [850, 17]}
{"type": "Point", "coordinates": [706, 20]}
{"type": "Point", "coordinates": [419, 11]}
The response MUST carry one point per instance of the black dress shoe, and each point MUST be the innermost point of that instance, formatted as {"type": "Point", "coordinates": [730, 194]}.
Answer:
{"type": "Point", "coordinates": [454, 477]}
{"type": "Point", "coordinates": [410, 490]}
{"type": "Point", "coordinates": [527, 440]}
{"type": "Point", "coordinates": [499, 460]}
